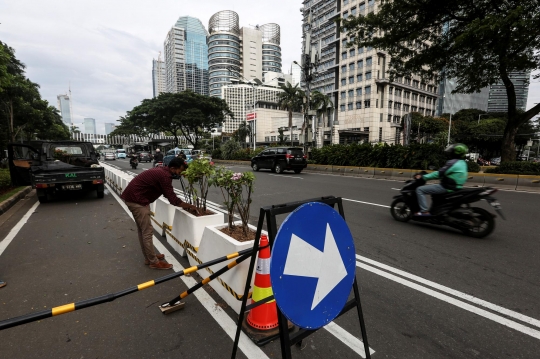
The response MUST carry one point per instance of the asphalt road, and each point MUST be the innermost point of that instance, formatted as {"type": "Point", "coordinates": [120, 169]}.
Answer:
{"type": "Point", "coordinates": [427, 292]}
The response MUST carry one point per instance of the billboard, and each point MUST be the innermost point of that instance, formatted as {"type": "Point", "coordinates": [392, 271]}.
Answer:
{"type": "Point", "coordinates": [251, 116]}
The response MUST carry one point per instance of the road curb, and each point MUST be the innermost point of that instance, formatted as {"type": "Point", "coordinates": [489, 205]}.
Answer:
{"type": "Point", "coordinates": [8, 203]}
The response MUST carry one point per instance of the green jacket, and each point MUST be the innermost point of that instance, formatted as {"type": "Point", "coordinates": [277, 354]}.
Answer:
{"type": "Point", "coordinates": [453, 174]}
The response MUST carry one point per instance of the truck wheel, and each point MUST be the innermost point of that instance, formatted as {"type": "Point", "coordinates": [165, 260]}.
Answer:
{"type": "Point", "coordinates": [100, 194]}
{"type": "Point", "coordinates": [43, 199]}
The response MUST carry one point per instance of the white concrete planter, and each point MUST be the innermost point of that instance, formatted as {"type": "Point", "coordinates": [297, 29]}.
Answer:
{"type": "Point", "coordinates": [187, 229]}
{"type": "Point", "coordinates": [163, 215]}
{"type": "Point", "coordinates": [215, 244]}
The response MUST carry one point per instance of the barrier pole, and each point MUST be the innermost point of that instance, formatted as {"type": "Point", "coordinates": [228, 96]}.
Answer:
{"type": "Point", "coordinates": [67, 308]}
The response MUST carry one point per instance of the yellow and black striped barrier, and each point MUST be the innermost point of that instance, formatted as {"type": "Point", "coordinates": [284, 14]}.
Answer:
{"type": "Point", "coordinates": [32, 317]}
{"type": "Point", "coordinates": [231, 265]}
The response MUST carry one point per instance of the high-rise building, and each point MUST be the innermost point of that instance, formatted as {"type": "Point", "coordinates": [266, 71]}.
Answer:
{"type": "Point", "coordinates": [296, 72]}
{"type": "Point", "coordinates": [64, 106]}
{"type": "Point", "coordinates": [158, 77]}
{"type": "Point", "coordinates": [89, 126]}
{"type": "Point", "coordinates": [109, 127]}
{"type": "Point", "coordinates": [235, 52]}
{"type": "Point", "coordinates": [186, 57]}
{"type": "Point", "coordinates": [452, 103]}
{"type": "Point", "coordinates": [368, 106]}
{"type": "Point", "coordinates": [498, 102]}
{"type": "Point", "coordinates": [241, 99]}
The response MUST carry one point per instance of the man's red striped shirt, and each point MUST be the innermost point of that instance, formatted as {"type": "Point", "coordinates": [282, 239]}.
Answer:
{"type": "Point", "coordinates": [149, 186]}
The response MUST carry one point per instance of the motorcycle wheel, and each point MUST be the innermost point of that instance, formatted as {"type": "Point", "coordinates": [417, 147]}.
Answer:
{"type": "Point", "coordinates": [401, 210]}
{"type": "Point", "coordinates": [482, 225]}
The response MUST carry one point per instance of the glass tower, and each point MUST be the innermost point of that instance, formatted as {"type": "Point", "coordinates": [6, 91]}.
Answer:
{"type": "Point", "coordinates": [186, 57]}
{"type": "Point", "coordinates": [90, 126]}
{"type": "Point", "coordinates": [64, 105]}
{"type": "Point", "coordinates": [498, 102]}
{"type": "Point", "coordinates": [223, 50]}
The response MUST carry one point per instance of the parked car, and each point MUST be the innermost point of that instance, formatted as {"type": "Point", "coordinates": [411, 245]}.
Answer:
{"type": "Point", "coordinates": [109, 156]}
{"type": "Point", "coordinates": [279, 159]}
{"type": "Point", "coordinates": [496, 161]}
{"type": "Point", "coordinates": [145, 157]}
{"type": "Point", "coordinates": [175, 152]}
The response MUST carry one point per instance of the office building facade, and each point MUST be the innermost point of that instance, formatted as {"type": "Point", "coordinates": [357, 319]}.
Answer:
{"type": "Point", "coordinates": [64, 106]}
{"type": "Point", "coordinates": [158, 77]}
{"type": "Point", "coordinates": [452, 103]}
{"type": "Point", "coordinates": [367, 105]}
{"type": "Point", "coordinates": [109, 127]}
{"type": "Point", "coordinates": [296, 74]}
{"type": "Point", "coordinates": [236, 53]}
{"type": "Point", "coordinates": [498, 102]}
{"type": "Point", "coordinates": [89, 126]}
{"type": "Point", "coordinates": [186, 57]}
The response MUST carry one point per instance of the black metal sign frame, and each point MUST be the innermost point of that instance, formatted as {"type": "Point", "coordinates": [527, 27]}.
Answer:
{"type": "Point", "coordinates": [269, 214]}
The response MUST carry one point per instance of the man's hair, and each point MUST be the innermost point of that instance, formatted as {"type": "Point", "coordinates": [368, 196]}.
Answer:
{"type": "Point", "coordinates": [177, 163]}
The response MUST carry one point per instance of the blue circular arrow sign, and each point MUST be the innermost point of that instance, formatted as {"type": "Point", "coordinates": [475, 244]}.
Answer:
{"type": "Point", "coordinates": [313, 265]}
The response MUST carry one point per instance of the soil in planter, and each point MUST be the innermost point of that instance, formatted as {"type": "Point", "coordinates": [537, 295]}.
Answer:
{"type": "Point", "coordinates": [207, 213]}
{"type": "Point", "coordinates": [237, 233]}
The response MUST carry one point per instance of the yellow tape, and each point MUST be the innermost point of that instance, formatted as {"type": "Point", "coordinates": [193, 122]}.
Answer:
{"type": "Point", "coordinates": [146, 285]}
{"type": "Point", "coordinates": [190, 270]}
{"type": "Point", "coordinates": [63, 309]}
{"type": "Point", "coordinates": [232, 264]}
{"type": "Point", "coordinates": [261, 293]}
{"type": "Point", "coordinates": [233, 255]}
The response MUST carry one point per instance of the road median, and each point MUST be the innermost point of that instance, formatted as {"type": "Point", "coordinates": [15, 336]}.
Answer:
{"type": "Point", "coordinates": [15, 197]}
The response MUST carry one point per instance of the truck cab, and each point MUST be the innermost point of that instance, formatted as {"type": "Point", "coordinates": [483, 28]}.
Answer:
{"type": "Point", "coordinates": [55, 166]}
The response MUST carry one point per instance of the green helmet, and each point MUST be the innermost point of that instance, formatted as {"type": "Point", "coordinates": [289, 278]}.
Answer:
{"type": "Point", "coordinates": [457, 150]}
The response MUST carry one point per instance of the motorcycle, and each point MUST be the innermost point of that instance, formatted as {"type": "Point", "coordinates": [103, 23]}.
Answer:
{"type": "Point", "coordinates": [134, 163]}
{"type": "Point", "coordinates": [449, 209]}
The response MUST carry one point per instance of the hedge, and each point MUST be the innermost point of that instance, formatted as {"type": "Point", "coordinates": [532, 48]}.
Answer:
{"type": "Point", "coordinates": [5, 179]}
{"type": "Point", "coordinates": [517, 168]}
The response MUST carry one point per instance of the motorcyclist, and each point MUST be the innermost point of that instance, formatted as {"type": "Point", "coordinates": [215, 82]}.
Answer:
{"type": "Point", "coordinates": [182, 155]}
{"type": "Point", "coordinates": [158, 157]}
{"type": "Point", "coordinates": [132, 158]}
{"type": "Point", "coordinates": [453, 176]}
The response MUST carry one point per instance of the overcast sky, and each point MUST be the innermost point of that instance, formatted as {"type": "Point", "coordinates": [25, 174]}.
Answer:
{"type": "Point", "coordinates": [105, 48]}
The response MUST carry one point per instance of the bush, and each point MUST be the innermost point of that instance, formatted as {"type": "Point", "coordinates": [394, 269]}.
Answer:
{"type": "Point", "coordinates": [5, 179]}
{"type": "Point", "coordinates": [416, 156]}
{"type": "Point", "coordinates": [229, 149]}
{"type": "Point", "coordinates": [216, 154]}
{"type": "Point", "coordinates": [517, 167]}
{"type": "Point", "coordinates": [473, 167]}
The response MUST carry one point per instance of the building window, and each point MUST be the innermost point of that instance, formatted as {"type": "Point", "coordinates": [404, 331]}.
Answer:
{"type": "Point", "coordinates": [368, 75]}
{"type": "Point", "coordinates": [366, 129]}
{"type": "Point", "coordinates": [344, 68]}
{"type": "Point", "coordinates": [343, 55]}
{"type": "Point", "coordinates": [415, 83]}
{"type": "Point", "coordinates": [407, 81]}
{"type": "Point", "coordinates": [369, 61]}
{"type": "Point", "coordinates": [351, 79]}
{"type": "Point", "coordinates": [358, 105]}
{"type": "Point", "coordinates": [367, 90]}
{"type": "Point", "coordinates": [390, 90]}
{"type": "Point", "coordinates": [351, 93]}
{"type": "Point", "coordinates": [342, 108]}
{"type": "Point", "coordinates": [389, 118]}
{"type": "Point", "coordinates": [359, 91]}
{"type": "Point", "coordinates": [352, 52]}
{"type": "Point", "coordinates": [350, 106]}
{"type": "Point", "coordinates": [351, 66]}
{"type": "Point", "coordinates": [345, 14]}
{"type": "Point", "coordinates": [389, 104]}
{"type": "Point", "coordinates": [343, 82]}
{"type": "Point", "coordinates": [367, 104]}
{"type": "Point", "coordinates": [359, 78]}
{"type": "Point", "coordinates": [380, 134]}
{"type": "Point", "coordinates": [344, 43]}
{"type": "Point", "coordinates": [342, 94]}
{"type": "Point", "coordinates": [267, 139]}
{"type": "Point", "coordinates": [353, 11]}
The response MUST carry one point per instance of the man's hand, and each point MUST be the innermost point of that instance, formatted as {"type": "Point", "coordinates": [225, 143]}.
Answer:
{"type": "Point", "coordinates": [191, 208]}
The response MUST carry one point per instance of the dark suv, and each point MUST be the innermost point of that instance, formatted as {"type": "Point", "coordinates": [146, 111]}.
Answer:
{"type": "Point", "coordinates": [145, 156]}
{"type": "Point", "coordinates": [279, 159]}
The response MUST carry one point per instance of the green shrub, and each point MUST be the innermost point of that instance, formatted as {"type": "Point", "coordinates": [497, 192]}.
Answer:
{"type": "Point", "coordinates": [5, 179]}
{"type": "Point", "coordinates": [473, 167]}
{"type": "Point", "coordinates": [216, 154]}
{"type": "Point", "coordinates": [517, 167]}
{"type": "Point", "coordinates": [229, 149]}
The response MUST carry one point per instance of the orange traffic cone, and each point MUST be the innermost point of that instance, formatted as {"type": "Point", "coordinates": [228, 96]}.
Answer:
{"type": "Point", "coordinates": [263, 317]}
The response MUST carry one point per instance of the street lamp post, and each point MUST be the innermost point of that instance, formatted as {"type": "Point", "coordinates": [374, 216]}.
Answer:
{"type": "Point", "coordinates": [485, 114]}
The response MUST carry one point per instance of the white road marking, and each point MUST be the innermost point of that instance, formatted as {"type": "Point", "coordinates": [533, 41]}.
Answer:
{"type": "Point", "coordinates": [285, 176]}
{"type": "Point", "coordinates": [455, 293]}
{"type": "Point", "coordinates": [458, 303]}
{"type": "Point", "coordinates": [222, 318]}
{"type": "Point", "coordinates": [15, 230]}
{"type": "Point", "coordinates": [372, 204]}
{"type": "Point", "coordinates": [348, 339]}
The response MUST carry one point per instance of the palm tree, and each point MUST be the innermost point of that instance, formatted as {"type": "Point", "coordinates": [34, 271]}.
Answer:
{"type": "Point", "coordinates": [290, 100]}
{"type": "Point", "coordinates": [322, 103]}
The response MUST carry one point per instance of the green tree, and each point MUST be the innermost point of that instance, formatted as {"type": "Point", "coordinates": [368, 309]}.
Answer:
{"type": "Point", "coordinates": [478, 43]}
{"type": "Point", "coordinates": [322, 103]}
{"type": "Point", "coordinates": [290, 100]}
{"type": "Point", "coordinates": [243, 131]}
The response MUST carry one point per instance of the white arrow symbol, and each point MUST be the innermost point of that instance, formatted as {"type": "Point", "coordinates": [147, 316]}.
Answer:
{"type": "Point", "coordinates": [304, 260]}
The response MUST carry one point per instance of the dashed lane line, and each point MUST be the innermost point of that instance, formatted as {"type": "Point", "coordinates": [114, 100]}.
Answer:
{"type": "Point", "coordinates": [372, 204]}
{"type": "Point", "coordinates": [15, 230]}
